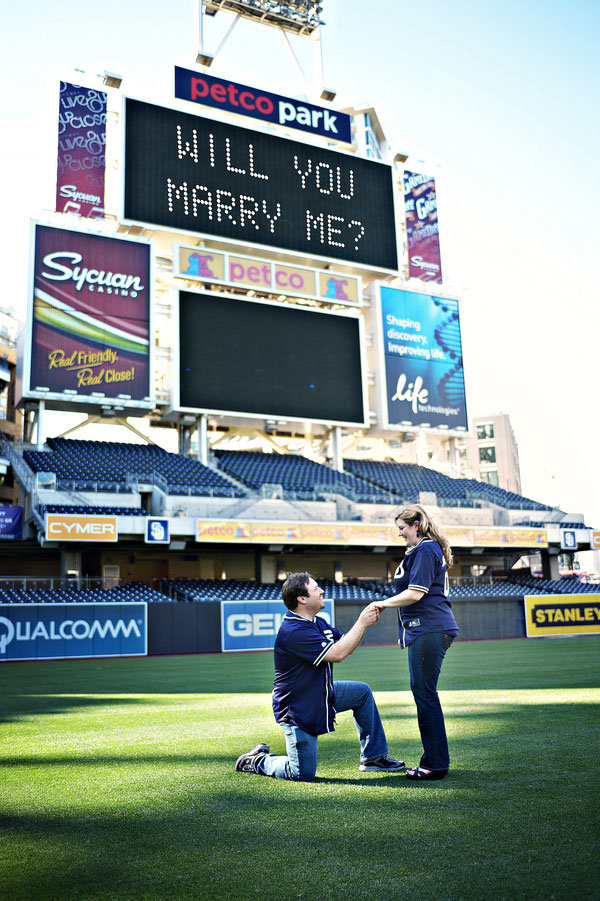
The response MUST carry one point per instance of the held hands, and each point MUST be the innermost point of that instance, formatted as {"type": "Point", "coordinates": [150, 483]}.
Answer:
{"type": "Point", "coordinates": [379, 605]}
{"type": "Point", "coordinates": [369, 615]}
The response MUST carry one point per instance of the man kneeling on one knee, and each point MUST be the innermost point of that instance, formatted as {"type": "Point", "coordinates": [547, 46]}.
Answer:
{"type": "Point", "coordinates": [305, 697]}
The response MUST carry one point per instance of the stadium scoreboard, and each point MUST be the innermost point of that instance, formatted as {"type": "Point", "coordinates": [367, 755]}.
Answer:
{"type": "Point", "coordinates": [268, 359]}
{"type": "Point", "coordinates": [188, 173]}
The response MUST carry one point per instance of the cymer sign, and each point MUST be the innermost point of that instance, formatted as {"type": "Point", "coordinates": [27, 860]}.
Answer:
{"type": "Point", "coordinates": [186, 172]}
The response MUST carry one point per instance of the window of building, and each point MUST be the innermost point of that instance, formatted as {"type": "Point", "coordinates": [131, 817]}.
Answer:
{"type": "Point", "coordinates": [491, 477]}
{"type": "Point", "coordinates": [485, 431]}
{"type": "Point", "coordinates": [371, 143]}
{"type": "Point", "coordinates": [487, 454]}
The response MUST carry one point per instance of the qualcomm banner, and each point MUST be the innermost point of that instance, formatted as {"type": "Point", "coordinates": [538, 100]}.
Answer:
{"type": "Point", "coordinates": [423, 360]}
{"type": "Point", "coordinates": [62, 631]}
{"type": "Point", "coordinates": [253, 625]}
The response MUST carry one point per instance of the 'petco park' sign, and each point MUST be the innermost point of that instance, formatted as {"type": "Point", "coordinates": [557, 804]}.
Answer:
{"type": "Point", "coordinates": [223, 94]}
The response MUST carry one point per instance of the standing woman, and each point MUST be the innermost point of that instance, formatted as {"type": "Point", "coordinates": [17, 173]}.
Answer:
{"type": "Point", "coordinates": [427, 628]}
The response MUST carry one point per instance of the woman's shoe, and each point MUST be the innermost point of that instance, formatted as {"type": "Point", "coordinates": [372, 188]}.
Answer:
{"type": "Point", "coordinates": [420, 774]}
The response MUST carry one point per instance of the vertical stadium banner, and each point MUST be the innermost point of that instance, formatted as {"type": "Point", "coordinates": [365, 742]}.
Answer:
{"type": "Point", "coordinates": [423, 362]}
{"type": "Point", "coordinates": [81, 148]}
{"type": "Point", "coordinates": [63, 631]}
{"type": "Point", "coordinates": [253, 625]}
{"type": "Point", "coordinates": [90, 317]}
{"type": "Point", "coordinates": [422, 228]}
{"type": "Point", "coordinates": [11, 523]}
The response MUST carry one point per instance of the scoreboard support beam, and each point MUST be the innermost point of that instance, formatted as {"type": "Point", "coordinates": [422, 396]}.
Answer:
{"type": "Point", "coordinates": [336, 448]}
{"type": "Point", "coordinates": [203, 439]}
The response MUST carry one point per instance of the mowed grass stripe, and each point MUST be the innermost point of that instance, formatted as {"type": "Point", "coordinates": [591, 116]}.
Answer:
{"type": "Point", "coordinates": [117, 782]}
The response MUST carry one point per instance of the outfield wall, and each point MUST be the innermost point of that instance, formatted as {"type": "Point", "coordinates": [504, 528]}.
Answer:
{"type": "Point", "coordinates": [183, 628]}
{"type": "Point", "coordinates": [481, 618]}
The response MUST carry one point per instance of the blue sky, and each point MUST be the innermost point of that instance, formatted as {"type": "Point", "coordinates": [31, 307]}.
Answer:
{"type": "Point", "coordinates": [500, 102]}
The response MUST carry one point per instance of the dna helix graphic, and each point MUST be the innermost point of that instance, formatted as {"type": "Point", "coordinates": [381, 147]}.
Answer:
{"type": "Point", "coordinates": [447, 336]}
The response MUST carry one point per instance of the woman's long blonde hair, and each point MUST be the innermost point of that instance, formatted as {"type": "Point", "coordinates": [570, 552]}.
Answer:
{"type": "Point", "coordinates": [426, 528]}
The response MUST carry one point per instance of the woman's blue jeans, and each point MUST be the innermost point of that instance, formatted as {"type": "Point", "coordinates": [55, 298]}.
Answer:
{"type": "Point", "coordinates": [425, 656]}
{"type": "Point", "coordinates": [300, 764]}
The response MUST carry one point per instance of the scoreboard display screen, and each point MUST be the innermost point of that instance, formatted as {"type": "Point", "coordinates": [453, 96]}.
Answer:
{"type": "Point", "coordinates": [269, 360]}
{"type": "Point", "coordinates": [188, 173]}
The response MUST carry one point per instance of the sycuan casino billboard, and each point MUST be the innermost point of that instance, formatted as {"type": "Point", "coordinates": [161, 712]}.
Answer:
{"type": "Point", "coordinates": [90, 318]}
{"type": "Point", "coordinates": [188, 173]}
{"type": "Point", "coordinates": [422, 360]}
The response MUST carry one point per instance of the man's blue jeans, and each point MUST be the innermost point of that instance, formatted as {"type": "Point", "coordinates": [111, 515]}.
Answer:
{"type": "Point", "coordinates": [425, 656]}
{"type": "Point", "coordinates": [300, 764]}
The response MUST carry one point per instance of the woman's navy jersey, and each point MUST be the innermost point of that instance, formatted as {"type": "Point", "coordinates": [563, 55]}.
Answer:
{"type": "Point", "coordinates": [303, 690]}
{"type": "Point", "coordinates": [424, 569]}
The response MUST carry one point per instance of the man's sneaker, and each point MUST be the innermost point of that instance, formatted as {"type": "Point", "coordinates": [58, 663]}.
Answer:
{"type": "Point", "coordinates": [247, 762]}
{"type": "Point", "coordinates": [383, 764]}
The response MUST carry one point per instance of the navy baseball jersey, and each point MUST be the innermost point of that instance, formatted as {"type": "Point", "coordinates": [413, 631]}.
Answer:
{"type": "Point", "coordinates": [303, 690]}
{"type": "Point", "coordinates": [424, 569]}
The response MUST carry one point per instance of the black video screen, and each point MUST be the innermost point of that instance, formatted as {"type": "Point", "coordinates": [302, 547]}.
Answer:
{"type": "Point", "coordinates": [186, 172]}
{"type": "Point", "coordinates": [270, 360]}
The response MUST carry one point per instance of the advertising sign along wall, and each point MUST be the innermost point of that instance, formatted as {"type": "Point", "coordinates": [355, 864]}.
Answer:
{"type": "Point", "coordinates": [77, 527]}
{"type": "Point", "coordinates": [422, 228]}
{"type": "Point", "coordinates": [220, 93]}
{"type": "Point", "coordinates": [253, 625]}
{"type": "Point", "coordinates": [11, 523]}
{"type": "Point", "coordinates": [60, 631]}
{"type": "Point", "coordinates": [90, 318]}
{"type": "Point", "coordinates": [81, 144]}
{"type": "Point", "coordinates": [562, 614]}
{"type": "Point", "coordinates": [424, 381]}
{"type": "Point", "coordinates": [185, 172]}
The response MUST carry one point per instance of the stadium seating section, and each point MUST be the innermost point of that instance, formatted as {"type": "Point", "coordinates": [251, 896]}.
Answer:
{"type": "Point", "coordinates": [203, 590]}
{"type": "Point", "coordinates": [119, 595]}
{"type": "Point", "coordinates": [296, 474]}
{"type": "Point", "coordinates": [99, 511]}
{"type": "Point", "coordinates": [112, 465]}
{"type": "Point", "coordinates": [407, 480]}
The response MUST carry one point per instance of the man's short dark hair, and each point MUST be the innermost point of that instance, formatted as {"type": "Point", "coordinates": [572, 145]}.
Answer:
{"type": "Point", "coordinates": [295, 584]}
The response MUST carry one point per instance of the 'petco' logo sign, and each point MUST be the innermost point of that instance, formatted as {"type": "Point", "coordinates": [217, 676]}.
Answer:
{"type": "Point", "coordinates": [246, 101]}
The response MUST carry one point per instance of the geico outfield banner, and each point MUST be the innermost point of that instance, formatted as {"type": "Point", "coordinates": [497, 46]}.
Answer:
{"type": "Point", "coordinates": [222, 94]}
{"type": "Point", "coordinates": [90, 318]}
{"type": "Point", "coordinates": [81, 144]}
{"type": "Point", "coordinates": [562, 614]}
{"type": "Point", "coordinates": [59, 631]}
{"type": "Point", "coordinates": [253, 625]}
{"type": "Point", "coordinates": [422, 229]}
{"type": "Point", "coordinates": [77, 527]}
{"type": "Point", "coordinates": [423, 361]}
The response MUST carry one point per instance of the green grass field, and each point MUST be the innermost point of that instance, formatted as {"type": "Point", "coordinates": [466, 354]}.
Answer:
{"type": "Point", "coordinates": [117, 782]}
